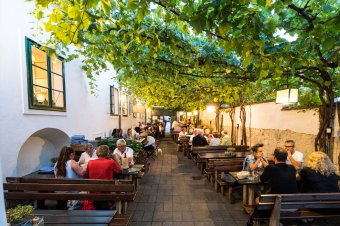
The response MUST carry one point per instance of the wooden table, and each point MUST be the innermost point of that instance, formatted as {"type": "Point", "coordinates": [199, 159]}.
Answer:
{"type": "Point", "coordinates": [132, 173]}
{"type": "Point", "coordinates": [76, 217]}
{"type": "Point", "coordinates": [248, 197]}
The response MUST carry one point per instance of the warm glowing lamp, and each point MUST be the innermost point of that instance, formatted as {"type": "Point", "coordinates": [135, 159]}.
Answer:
{"type": "Point", "coordinates": [40, 98]}
{"type": "Point", "coordinates": [195, 112]}
{"type": "Point", "coordinates": [211, 109]}
{"type": "Point", "coordinates": [287, 96]}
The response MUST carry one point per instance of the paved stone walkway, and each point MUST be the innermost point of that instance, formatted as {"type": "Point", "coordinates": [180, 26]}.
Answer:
{"type": "Point", "coordinates": [172, 193]}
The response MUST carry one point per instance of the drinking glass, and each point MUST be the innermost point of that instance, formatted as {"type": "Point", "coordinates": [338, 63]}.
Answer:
{"type": "Point", "coordinates": [251, 174]}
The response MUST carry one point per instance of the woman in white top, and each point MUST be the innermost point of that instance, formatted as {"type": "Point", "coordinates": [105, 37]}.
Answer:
{"type": "Point", "coordinates": [88, 154]}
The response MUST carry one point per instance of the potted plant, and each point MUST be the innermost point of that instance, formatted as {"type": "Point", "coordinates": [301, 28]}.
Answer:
{"type": "Point", "coordinates": [16, 216]}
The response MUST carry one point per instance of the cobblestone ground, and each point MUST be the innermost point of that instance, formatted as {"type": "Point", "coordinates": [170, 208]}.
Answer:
{"type": "Point", "coordinates": [173, 193]}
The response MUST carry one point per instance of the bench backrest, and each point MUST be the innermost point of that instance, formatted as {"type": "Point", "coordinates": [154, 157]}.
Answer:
{"type": "Point", "coordinates": [301, 200]}
{"type": "Point", "coordinates": [238, 148]}
{"type": "Point", "coordinates": [64, 181]}
{"type": "Point", "coordinates": [42, 191]}
{"type": "Point", "coordinates": [225, 165]}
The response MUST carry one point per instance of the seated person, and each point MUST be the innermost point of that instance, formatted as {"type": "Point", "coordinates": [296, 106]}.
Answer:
{"type": "Point", "coordinates": [199, 139]}
{"type": "Point", "coordinates": [255, 161]}
{"type": "Point", "coordinates": [194, 133]}
{"type": "Point", "coordinates": [319, 174]}
{"type": "Point", "coordinates": [295, 158]}
{"type": "Point", "coordinates": [128, 135]}
{"type": "Point", "coordinates": [88, 154]}
{"type": "Point", "coordinates": [102, 168]}
{"type": "Point", "coordinates": [281, 176]}
{"type": "Point", "coordinates": [183, 133]}
{"type": "Point", "coordinates": [213, 141]}
{"type": "Point", "coordinates": [225, 139]}
{"type": "Point", "coordinates": [149, 143]}
{"type": "Point", "coordinates": [66, 167]}
{"type": "Point", "coordinates": [143, 133]}
{"type": "Point", "coordinates": [177, 128]}
{"type": "Point", "coordinates": [137, 128]}
{"type": "Point", "coordinates": [174, 124]}
{"type": "Point", "coordinates": [122, 151]}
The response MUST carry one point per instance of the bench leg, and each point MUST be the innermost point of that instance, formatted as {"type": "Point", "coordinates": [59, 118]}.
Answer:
{"type": "Point", "coordinates": [230, 194]}
{"type": "Point", "coordinates": [125, 206]}
{"type": "Point", "coordinates": [256, 223]}
{"type": "Point", "coordinates": [119, 207]}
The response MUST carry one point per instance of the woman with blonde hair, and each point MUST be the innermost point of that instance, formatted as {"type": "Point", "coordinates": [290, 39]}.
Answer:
{"type": "Point", "coordinates": [318, 175]}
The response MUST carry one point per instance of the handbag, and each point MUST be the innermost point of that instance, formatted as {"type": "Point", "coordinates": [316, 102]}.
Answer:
{"type": "Point", "coordinates": [87, 205]}
{"type": "Point", "coordinates": [228, 178]}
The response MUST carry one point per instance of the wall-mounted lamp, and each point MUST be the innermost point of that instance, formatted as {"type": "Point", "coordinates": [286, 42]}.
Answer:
{"type": "Point", "coordinates": [40, 98]}
{"type": "Point", "coordinates": [329, 131]}
{"type": "Point", "coordinates": [287, 96]}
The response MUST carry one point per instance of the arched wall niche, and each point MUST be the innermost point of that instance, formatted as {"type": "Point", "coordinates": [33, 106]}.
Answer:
{"type": "Point", "coordinates": [39, 148]}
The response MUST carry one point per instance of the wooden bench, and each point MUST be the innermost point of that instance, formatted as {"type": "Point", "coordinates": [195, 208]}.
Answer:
{"type": "Point", "coordinates": [120, 191]}
{"type": "Point", "coordinates": [273, 207]}
{"type": "Point", "coordinates": [183, 145]}
{"type": "Point", "coordinates": [174, 135]}
{"type": "Point", "coordinates": [207, 148]}
{"type": "Point", "coordinates": [224, 167]}
{"type": "Point", "coordinates": [220, 149]}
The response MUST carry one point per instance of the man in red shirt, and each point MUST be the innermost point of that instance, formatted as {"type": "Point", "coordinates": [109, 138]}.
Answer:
{"type": "Point", "coordinates": [102, 168]}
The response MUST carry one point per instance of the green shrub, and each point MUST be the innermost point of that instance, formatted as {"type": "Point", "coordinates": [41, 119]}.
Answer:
{"type": "Point", "coordinates": [18, 213]}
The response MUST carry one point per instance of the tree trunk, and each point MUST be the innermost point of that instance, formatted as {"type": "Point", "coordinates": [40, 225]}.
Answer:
{"type": "Point", "coordinates": [221, 125]}
{"type": "Point", "coordinates": [217, 120]}
{"type": "Point", "coordinates": [243, 119]}
{"type": "Point", "coordinates": [326, 117]}
{"type": "Point", "coordinates": [232, 118]}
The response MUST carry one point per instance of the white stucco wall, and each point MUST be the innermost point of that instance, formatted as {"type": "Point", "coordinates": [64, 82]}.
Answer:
{"type": "Point", "coordinates": [267, 123]}
{"type": "Point", "coordinates": [86, 113]}
{"type": "Point", "coordinates": [270, 116]}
